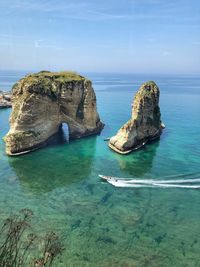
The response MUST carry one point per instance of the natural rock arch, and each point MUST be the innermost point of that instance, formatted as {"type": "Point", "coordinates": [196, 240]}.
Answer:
{"type": "Point", "coordinates": [65, 132]}
{"type": "Point", "coordinates": [45, 100]}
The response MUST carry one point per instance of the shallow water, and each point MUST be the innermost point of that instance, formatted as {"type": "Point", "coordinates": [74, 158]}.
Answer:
{"type": "Point", "coordinates": [103, 225]}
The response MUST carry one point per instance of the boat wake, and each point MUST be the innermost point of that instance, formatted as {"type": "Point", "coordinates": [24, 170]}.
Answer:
{"type": "Point", "coordinates": [193, 183]}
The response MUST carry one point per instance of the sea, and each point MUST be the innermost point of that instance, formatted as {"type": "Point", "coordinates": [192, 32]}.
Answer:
{"type": "Point", "coordinates": [102, 225]}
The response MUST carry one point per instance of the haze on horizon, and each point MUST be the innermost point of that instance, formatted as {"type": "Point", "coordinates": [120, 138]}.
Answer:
{"type": "Point", "coordinates": [138, 36]}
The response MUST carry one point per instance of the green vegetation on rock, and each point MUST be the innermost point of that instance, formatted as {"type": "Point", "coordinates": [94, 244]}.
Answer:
{"type": "Point", "coordinates": [146, 89]}
{"type": "Point", "coordinates": [149, 83]}
{"type": "Point", "coordinates": [47, 83]}
{"type": "Point", "coordinates": [64, 76]}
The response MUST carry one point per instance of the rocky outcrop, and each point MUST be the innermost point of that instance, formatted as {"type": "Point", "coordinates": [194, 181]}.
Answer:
{"type": "Point", "coordinates": [145, 124]}
{"type": "Point", "coordinates": [5, 99]}
{"type": "Point", "coordinates": [45, 100]}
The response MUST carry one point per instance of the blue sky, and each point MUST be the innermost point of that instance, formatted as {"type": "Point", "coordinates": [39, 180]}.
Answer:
{"type": "Point", "coordinates": [134, 36]}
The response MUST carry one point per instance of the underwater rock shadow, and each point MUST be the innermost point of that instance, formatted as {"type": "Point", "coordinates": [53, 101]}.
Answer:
{"type": "Point", "coordinates": [138, 163]}
{"type": "Point", "coordinates": [55, 166]}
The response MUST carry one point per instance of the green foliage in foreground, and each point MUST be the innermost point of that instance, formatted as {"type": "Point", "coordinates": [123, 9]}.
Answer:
{"type": "Point", "coordinates": [19, 247]}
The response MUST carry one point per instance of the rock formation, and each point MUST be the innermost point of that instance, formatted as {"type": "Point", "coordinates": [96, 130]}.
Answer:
{"type": "Point", "coordinates": [45, 100]}
{"type": "Point", "coordinates": [145, 124]}
{"type": "Point", "coordinates": [5, 100]}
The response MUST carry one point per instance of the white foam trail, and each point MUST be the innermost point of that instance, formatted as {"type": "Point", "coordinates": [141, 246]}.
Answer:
{"type": "Point", "coordinates": [150, 181]}
{"type": "Point", "coordinates": [178, 186]}
{"type": "Point", "coordinates": [167, 183]}
{"type": "Point", "coordinates": [182, 175]}
{"type": "Point", "coordinates": [121, 184]}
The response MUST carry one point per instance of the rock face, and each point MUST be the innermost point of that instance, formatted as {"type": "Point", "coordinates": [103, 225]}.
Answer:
{"type": "Point", "coordinates": [145, 124]}
{"type": "Point", "coordinates": [5, 99]}
{"type": "Point", "coordinates": [45, 100]}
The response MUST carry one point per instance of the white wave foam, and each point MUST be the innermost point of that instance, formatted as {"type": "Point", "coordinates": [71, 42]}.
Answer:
{"type": "Point", "coordinates": [161, 185]}
{"type": "Point", "coordinates": [150, 181]}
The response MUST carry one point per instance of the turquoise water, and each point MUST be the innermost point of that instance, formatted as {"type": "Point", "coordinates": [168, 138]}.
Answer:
{"type": "Point", "coordinates": [102, 225]}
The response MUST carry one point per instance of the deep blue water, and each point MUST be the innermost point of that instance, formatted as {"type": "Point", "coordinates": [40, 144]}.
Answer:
{"type": "Point", "coordinates": [103, 225]}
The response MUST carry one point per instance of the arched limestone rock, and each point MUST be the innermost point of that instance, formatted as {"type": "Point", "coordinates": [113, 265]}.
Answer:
{"type": "Point", "coordinates": [45, 100]}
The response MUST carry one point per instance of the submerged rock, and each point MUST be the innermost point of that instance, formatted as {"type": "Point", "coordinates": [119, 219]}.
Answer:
{"type": "Point", "coordinates": [5, 99]}
{"type": "Point", "coordinates": [45, 100]}
{"type": "Point", "coordinates": [145, 124]}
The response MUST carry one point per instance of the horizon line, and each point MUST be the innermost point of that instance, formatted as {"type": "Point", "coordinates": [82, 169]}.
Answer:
{"type": "Point", "coordinates": [99, 72]}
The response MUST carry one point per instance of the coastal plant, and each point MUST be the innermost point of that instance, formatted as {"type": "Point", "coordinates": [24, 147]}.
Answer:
{"type": "Point", "coordinates": [20, 247]}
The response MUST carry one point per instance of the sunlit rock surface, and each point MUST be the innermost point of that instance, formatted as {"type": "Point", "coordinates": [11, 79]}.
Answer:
{"type": "Point", "coordinates": [45, 100]}
{"type": "Point", "coordinates": [145, 124]}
